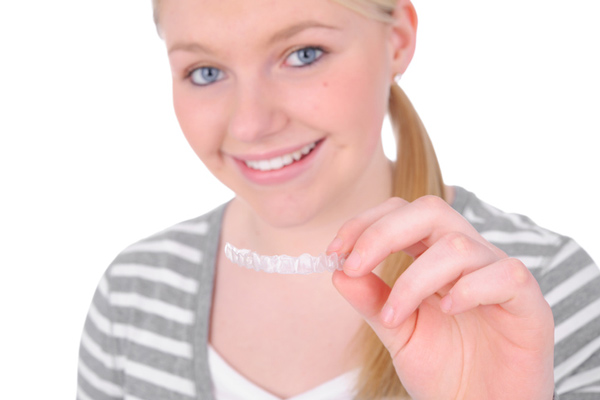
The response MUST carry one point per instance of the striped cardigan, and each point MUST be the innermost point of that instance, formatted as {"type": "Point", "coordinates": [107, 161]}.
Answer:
{"type": "Point", "coordinates": [146, 334]}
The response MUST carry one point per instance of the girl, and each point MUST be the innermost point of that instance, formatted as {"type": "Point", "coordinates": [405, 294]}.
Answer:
{"type": "Point", "coordinates": [440, 297]}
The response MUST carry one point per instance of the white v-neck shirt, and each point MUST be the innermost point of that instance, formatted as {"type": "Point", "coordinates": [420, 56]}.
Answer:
{"type": "Point", "coordinates": [231, 385]}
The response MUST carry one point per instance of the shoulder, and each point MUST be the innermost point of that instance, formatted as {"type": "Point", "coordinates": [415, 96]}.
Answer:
{"type": "Point", "coordinates": [159, 288]}
{"type": "Point", "coordinates": [151, 311]}
{"type": "Point", "coordinates": [540, 249]}
{"type": "Point", "coordinates": [567, 276]}
{"type": "Point", "coordinates": [176, 258]}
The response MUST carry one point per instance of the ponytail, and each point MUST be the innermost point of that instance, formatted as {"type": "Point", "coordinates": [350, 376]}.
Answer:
{"type": "Point", "coordinates": [417, 173]}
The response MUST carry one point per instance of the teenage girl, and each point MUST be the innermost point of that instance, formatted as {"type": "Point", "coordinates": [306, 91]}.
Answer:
{"type": "Point", "coordinates": [441, 295]}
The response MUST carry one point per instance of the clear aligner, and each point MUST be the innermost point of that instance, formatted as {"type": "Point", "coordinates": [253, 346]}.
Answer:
{"type": "Point", "coordinates": [283, 264]}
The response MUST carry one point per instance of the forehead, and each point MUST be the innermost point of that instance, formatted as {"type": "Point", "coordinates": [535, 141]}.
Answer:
{"type": "Point", "coordinates": [211, 19]}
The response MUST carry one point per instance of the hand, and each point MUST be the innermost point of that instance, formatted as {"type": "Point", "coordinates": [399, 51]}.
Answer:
{"type": "Point", "coordinates": [464, 321]}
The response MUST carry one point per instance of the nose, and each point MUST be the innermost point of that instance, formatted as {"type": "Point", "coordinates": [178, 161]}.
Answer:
{"type": "Point", "coordinates": [256, 112]}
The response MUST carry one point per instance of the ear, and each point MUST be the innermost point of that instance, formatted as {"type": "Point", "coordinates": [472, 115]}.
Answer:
{"type": "Point", "coordinates": [403, 36]}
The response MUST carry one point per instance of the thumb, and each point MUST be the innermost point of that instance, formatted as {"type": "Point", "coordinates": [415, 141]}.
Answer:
{"type": "Point", "coordinates": [368, 294]}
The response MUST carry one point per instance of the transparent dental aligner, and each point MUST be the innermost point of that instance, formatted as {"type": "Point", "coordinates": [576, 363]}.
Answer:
{"type": "Point", "coordinates": [282, 264]}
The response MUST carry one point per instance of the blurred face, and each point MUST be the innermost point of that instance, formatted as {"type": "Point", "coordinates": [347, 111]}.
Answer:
{"type": "Point", "coordinates": [283, 100]}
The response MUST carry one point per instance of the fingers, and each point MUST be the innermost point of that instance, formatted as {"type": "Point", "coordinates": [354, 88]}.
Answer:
{"type": "Point", "coordinates": [451, 257]}
{"type": "Point", "coordinates": [448, 250]}
{"type": "Point", "coordinates": [352, 229]}
{"type": "Point", "coordinates": [399, 226]}
{"type": "Point", "coordinates": [367, 294]}
{"type": "Point", "coordinates": [506, 282]}
{"type": "Point", "coordinates": [508, 294]}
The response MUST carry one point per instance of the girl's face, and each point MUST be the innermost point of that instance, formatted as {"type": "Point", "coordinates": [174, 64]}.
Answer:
{"type": "Point", "coordinates": [283, 100]}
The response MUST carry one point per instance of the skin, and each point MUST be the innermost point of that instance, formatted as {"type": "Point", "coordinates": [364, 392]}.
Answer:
{"type": "Point", "coordinates": [464, 315]}
{"type": "Point", "coordinates": [235, 116]}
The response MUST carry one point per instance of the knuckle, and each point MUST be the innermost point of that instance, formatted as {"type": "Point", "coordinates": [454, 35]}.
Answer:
{"type": "Point", "coordinates": [462, 290]}
{"type": "Point", "coordinates": [458, 243]}
{"type": "Point", "coordinates": [396, 202]}
{"type": "Point", "coordinates": [517, 272]}
{"type": "Point", "coordinates": [433, 207]}
{"type": "Point", "coordinates": [432, 202]}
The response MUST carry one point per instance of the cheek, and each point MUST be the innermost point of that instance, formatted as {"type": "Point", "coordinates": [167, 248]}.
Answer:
{"type": "Point", "coordinates": [199, 123]}
{"type": "Point", "coordinates": [344, 109]}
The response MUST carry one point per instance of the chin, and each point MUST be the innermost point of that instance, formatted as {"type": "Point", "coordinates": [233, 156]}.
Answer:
{"type": "Point", "coordinates": [285, 213]}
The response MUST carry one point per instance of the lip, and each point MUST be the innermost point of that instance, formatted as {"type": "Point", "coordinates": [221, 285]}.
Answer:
{"type": "Point", "coordinates": [271, 154]}
{"type": "Point", "coordinates": [278, 176]}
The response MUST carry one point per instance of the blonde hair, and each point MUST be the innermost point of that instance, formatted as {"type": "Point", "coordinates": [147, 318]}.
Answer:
{"type": "Point", "coordinates": [417, 173]}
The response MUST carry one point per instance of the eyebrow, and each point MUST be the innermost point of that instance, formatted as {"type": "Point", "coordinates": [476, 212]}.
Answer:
{"type": "Point", "coordinates": [281, 35]}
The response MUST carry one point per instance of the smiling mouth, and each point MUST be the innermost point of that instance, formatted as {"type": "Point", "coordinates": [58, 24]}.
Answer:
{"type": "Point", "coordinates": [276, 163]}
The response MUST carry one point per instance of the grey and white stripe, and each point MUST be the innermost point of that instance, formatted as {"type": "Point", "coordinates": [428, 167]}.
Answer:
{"type": "Point", "coordinates": [146, 334]}
{"type": "Point", "coordinates": [570, 281]}
{"type": "Point", "coordinates": [139, 338]}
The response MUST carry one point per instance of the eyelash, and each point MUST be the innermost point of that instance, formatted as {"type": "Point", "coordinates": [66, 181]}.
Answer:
{"type": "Point", "coordinates": [319, 50]}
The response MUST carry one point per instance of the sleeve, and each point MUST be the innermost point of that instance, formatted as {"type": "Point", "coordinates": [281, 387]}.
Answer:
{"type": "Point", "coordinates": [571, 284]}
{"type": "Point", "coordinates": [100, 369]}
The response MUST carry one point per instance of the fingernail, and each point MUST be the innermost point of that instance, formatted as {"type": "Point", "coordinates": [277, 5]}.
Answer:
{"type": "Point", "coordinates": [335, 245]}
{"type": "Point", "coordinates": [387, 314]}
{"type": "Point", "coordinates": [446, 304]}
{"type": "Point", "coordinates": [352, 263]}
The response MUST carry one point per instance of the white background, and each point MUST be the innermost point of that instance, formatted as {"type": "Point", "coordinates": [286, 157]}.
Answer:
{"type": "Point", "coordinates": [92, 159]}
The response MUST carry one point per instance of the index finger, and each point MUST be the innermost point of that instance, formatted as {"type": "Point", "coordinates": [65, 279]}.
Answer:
{"type": "Point", "coordinates": [415, 226]}
{"type": "Point", "coordinates": [349, 233]}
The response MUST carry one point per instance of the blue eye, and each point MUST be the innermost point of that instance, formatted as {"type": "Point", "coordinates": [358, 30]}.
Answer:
{"type": "Point", "coordinates": [204, 76]}
{"type": "Point", "coordinates": [305, 56]}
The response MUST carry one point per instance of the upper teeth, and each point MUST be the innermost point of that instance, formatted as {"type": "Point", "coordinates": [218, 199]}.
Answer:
{"type": "Point", "coordinates": [281, 161]}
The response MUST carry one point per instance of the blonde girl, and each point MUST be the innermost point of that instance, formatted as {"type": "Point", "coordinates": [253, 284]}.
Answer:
{"type": "Point", "coordinates": [283, 101]}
